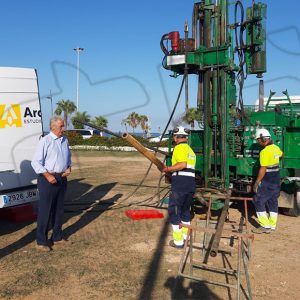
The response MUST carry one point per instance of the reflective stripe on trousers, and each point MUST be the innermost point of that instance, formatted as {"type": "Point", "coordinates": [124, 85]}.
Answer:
{"type": "Point", "coordinates": [177, 235]}
{"type": "Point", "coordinates": [185, 230]}
{"type": "Point", "coordinates": [182, 173]}
{"type": "Point", "coordinates": [267, 221]}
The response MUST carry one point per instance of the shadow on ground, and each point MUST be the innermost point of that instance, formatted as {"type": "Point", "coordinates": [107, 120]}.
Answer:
{"type": "Point", "coordinates": [194, 290]}
{"type": "Point", "coordinates": [82, 199]}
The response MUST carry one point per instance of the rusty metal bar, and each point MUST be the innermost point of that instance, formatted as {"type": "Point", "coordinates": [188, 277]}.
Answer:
{"type": "Point", "coordinates": [239, 268]}
{"type": "Point", "coordinates": [207, 225]}
{"type": "Point", "coordinates": [234, 286]}
{"type": "Point", "coordinates": [226, 233]}
{"type": "Point", "coordinates": [219, 196]}
{"type": "Point", "coordinates": [190, 239]}
{"type": "Point", "coordinates": [217, 236]}
{"type": "Point", "coordinates": [215, 269]}
{"type": "Point", "coordinates": [246, 272]}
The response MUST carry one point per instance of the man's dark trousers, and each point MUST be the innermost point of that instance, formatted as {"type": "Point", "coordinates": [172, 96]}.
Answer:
{"type": "Point", "coordinates": [267, 196]}
{"type": "Point", "coordinates": [51, 205]}
{"type": "Point", "coordinates": [179, 207]}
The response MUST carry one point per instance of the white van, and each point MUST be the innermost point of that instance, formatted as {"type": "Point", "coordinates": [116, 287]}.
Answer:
{"type": "Point", "coordinates": [159, 138]}
{"type": "Point", "coordinates": [86, 133]}
{"type": "Point", "coordinates": [20, 130]}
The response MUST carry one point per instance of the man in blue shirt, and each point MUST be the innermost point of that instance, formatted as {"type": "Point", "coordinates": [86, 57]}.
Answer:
{"type": "Point", "coordinates": [52, 163]}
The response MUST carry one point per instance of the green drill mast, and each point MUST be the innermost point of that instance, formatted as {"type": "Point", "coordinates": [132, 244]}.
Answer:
{"type": "Point", "coordinates": [222, 54]}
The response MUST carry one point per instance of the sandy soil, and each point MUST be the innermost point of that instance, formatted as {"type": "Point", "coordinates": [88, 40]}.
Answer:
{"type": "Point", "coordinates": [114, 257]}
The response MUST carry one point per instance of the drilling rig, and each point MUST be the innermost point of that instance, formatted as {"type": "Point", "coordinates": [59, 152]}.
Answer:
{"type": "Point", "coordinates": [222, 53]}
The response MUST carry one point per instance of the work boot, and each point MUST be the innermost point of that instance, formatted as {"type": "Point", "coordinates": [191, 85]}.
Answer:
{"type": "Point", "coordinates": [172, 244]}
{"type": "Point", "coordinates": [261, 230]}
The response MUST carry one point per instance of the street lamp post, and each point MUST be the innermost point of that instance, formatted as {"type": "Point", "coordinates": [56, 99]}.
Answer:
{"type": "Point", "coordinates": [78, 50]}
{"type": "Point", "coordinates": [50, 97]}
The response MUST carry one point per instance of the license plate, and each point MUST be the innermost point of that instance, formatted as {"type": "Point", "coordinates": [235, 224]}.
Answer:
{"type": "Point", "coordinates": [16, 198]}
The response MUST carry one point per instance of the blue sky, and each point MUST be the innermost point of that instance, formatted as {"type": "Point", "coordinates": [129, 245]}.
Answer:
{"type": "Point", "coordinates": [120, 66]}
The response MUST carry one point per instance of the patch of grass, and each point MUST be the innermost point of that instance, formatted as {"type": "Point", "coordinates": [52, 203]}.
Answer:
{"type": "Point", "coordinates": [6, 293]}
{"type": "Point", "coordinates": [29, 282]}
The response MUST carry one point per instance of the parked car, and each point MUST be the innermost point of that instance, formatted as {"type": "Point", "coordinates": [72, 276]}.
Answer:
{"type": "Point", "coordinates": [158, 138]}
{"type": "Point", "coordinates": [86, 133]}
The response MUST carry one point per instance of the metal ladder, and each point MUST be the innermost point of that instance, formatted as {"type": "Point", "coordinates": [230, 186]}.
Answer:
{"type": "Point", "coordinates": [199, 263]}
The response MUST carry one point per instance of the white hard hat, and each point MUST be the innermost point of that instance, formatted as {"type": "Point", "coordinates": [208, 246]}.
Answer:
{"type": "Point", "coordinates": [262, 133]}
{"type": "Point", "coordinates": [180, 130]}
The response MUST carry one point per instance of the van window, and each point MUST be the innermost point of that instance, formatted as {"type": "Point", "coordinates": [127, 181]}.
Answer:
{"type": "Point", "coordinates": [96, 132]}
{"type": "Point", "coordinates": [84, 132]}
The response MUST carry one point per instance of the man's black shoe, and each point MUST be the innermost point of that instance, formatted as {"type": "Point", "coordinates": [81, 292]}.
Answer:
{"type": "Point", "coordinates": [172, 244]}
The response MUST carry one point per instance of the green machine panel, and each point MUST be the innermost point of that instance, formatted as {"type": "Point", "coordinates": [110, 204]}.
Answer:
{"type": "Point", "coordinates": [292, 148]}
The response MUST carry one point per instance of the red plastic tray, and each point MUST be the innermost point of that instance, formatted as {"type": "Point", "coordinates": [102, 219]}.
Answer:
{"type": "Point", "coordinates": [144, 214]}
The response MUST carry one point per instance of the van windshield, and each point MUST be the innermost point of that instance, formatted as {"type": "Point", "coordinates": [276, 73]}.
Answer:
{"type": "Point", "coordinates": [85, 132]}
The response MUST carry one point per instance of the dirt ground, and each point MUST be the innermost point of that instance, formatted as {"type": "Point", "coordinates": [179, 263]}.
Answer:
{"type": "Point", "coordinates": [114, 257]}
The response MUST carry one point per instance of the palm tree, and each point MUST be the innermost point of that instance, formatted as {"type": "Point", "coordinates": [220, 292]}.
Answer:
{"type": "Point", "coordinates": [100, 121]}
{"type": "Point", "coordinates": [67, 107]}
{"type": "Point", "coordinates": [143, 121]}
{"type": "Point", "coordinates": [125, 123]}
{"type": "Point", "coordinates": [192, 115]}
{"type": "Point", "coordinates": [83, 117]}
{"type": "Point", "coordinates": [132, 120]}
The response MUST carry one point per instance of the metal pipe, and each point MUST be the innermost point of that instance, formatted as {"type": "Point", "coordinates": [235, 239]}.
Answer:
{"type": "Point", "coordinates": [217, 236]}
{"type": "Point", "coordinates": [206, 34]}
{"type": "Point", "coordinates": [194, 25]}
{"type": "Point", "coordinates": [186, 32]}
{"type": "Point", "coordinates": [261, 95]}
{"type": "Point", "coordinates": [215, 117]}
{"type": "Point", "coordinates": [207, 127]}
{"type": "Point", "coordinates": [215, 150]}
{"type": "Point", "coordinates": [225, 147]}
{"type": "Point", "coordinates": [200, 91]}
{"type": "Point", "coordinates": [200, 42]}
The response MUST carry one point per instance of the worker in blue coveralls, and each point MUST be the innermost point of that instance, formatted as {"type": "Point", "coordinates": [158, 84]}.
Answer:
{"type": "Point", "coordinates": [267, 184]}
{"type": "Point", "coordinates": [183, 186]}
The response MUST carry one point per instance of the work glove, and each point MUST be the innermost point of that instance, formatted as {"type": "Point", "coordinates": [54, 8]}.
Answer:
{"type": "Point", "coordinates": [256, 186]}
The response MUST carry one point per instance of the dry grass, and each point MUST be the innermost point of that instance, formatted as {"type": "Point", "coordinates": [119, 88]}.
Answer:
{"type": "Point", "coordinates": [113, 257]}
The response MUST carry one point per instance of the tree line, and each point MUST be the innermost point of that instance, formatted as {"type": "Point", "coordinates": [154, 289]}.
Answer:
{"type": "Point", "coordinates": [133, 120]}
{"type": "Point", "coordinates": [68, 107]}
